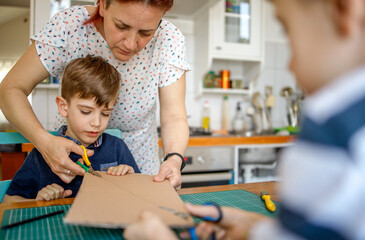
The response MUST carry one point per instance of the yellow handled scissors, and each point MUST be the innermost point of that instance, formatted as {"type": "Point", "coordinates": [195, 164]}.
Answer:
{"type": "Point", "coordinates": [87, 168]}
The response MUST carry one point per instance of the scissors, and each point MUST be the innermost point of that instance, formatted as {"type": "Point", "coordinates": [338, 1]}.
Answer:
{"type": "Point", "coordinates": [87, 168]}
{"type": "Point", "coordinates": [209, 219]}
{"type": "Point", "coordinates": [205, 218]}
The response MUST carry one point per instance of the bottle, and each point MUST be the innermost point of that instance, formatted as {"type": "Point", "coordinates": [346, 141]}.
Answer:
{"type": "Point", "coordinates": [238, 120]}
{"type": "Point", "coordinates": [209, 80]}
{"type": "Point", "coordinates": [225, 79]}
{"type": "Point", "coordinates": [206, 117]}
{"type": "Point", "coordinates": [225, 114]}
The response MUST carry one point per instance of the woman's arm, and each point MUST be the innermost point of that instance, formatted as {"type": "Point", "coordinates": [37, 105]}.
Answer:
{"type": "Point", "coordinates": [174, 130]}
{"type": "Point", "coordinates": [14, 89]}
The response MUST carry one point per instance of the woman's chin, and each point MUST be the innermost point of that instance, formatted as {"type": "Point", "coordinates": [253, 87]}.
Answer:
{"type": "Point", "coordinates": [122, 57]}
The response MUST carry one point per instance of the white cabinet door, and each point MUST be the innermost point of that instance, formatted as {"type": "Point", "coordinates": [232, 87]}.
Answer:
{"type": "Point", "coordinates": [237, 34]}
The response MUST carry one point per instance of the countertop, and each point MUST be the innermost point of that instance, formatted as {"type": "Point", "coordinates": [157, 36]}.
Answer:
{"type": "Point", "coordinates": [237, 140]}
{"type": "Point", "coordinates": [219, 141]}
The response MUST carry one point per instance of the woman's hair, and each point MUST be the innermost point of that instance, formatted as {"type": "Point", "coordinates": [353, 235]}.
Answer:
{"type": "Point", "coordinates": [164, 5]}
{"type": "Point", "coordinates": [90, 77]}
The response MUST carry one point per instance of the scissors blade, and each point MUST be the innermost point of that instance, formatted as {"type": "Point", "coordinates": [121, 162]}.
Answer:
{"type": "Point", "coordinates": [183, 215]}
{"type": "Point", "coordinates": [93, 172]}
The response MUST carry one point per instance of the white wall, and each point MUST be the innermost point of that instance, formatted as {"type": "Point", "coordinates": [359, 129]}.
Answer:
{"type": "Point", "coordinates": [14, 41]}
{"type": "Point", "coordinates": [14, 38]}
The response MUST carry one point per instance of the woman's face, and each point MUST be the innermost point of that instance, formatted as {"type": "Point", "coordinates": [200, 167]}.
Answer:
{"type": "Point", "coordinates": [128, 27]}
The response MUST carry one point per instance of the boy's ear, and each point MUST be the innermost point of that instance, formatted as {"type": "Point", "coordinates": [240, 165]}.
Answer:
{"type": "Point", "coordinates": [62, 106]}
{"type": "Point", "coordinates": [348, 14]}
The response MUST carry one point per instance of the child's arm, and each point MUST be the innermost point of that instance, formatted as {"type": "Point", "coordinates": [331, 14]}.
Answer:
{"type": "Point", "coordinates": [15, 198]}
{"type": "Point", "coordinates": [51, 192]}
{"type": "Point", "coordinates": [120, 170]}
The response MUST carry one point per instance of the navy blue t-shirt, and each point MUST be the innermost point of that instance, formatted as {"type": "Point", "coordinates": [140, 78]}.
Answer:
{"type": "Point", "coordinates": [35, 174]}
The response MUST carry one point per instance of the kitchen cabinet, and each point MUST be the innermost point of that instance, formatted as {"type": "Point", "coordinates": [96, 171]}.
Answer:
{"type": "Point", "coordinates": [236, 35]}
{"type": "Point", "coordinates": [229, 40]}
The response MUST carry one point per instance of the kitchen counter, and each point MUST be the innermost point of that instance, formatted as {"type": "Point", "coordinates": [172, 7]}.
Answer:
{"type": "Point", "coordinates": [237, 140]}
{"type": "Point", "coordinates": [219, 141]}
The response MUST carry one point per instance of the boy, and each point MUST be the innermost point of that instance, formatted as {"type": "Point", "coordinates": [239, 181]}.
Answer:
{"type": "Point", "coordinates": [89, 90]}
{"type": "Point", "coordinates": [323, 175]}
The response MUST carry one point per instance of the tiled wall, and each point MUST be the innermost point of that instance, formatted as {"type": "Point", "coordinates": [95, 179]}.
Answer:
{"type": "Point", "coordinates": [276, 74]}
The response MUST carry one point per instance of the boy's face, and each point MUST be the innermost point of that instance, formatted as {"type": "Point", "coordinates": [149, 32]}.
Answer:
{"type": "Point", "coordinates": [86, 121]}
{"type": "Point", "coordinates": [313, 39]}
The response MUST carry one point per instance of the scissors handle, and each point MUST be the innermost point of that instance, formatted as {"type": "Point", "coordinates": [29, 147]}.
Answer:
{"type": "Point", "coordinates": [193, 235]}
{"type": "Point", "coordinates": [86, 159]}
{"type": "Point", "coordinates": [192, 230]}
{"type": "Point", "coordinates": [83, 166]}
{"type": "Point", "coordinates": [212, 219]}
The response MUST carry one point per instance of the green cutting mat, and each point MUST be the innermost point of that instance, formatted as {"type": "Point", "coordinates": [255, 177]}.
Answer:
{"type": "Point", "coordinates": [53, 227]}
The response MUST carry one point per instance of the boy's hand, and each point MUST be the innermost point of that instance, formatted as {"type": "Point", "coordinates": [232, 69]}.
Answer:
{"type": "Point", "coordinates": [51, 192]}
{"type": "Point", "coordinates": [120, 170]}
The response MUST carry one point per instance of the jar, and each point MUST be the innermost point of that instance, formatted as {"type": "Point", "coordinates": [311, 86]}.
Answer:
{"type": "Point", "coordinates": [237, 84]}
{"type": "Point", "coordinates": [209, 80]}
{"type": "Point", "coordinates": [225, 79]}
{"type": "Point", "coordinates": [218, 82]}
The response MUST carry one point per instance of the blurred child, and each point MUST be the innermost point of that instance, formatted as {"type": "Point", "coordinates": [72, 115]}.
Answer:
{"type": "Point", "coordinates": [89, 90]}
{"type": "Point", "coordinates": [323, 175]}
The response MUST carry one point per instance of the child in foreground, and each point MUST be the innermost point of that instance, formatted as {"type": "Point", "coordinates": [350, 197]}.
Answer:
{"type": "Point", "coordinates": [322, 184]}
{"type": "Point", "coordinates": [89, 90]}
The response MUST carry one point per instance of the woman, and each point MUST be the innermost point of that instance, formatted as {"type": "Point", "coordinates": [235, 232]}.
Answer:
{"type": "Point", "coordinates": [148, 51]}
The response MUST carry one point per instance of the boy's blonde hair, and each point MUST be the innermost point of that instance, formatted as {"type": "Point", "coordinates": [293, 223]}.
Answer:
{"type": "Point", "coordinates": [90, 77]}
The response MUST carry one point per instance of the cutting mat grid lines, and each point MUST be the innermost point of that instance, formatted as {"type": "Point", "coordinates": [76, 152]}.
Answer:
{"type": "Point", "coordinates": [235, 198]}
{"type": "Point", "coordinates": [54, 228]}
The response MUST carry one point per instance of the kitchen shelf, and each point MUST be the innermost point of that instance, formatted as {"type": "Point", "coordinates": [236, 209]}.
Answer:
{"type": "Point", "coordinates": [232, 15]}
{"type": "Point", "coordinates": [48, 86]}
{"type": "Point", "coordinates": [226, 91]}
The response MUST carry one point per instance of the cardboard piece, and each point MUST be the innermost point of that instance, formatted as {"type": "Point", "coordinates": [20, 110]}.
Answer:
{"type": "Point", "coordinates": [117, 201]}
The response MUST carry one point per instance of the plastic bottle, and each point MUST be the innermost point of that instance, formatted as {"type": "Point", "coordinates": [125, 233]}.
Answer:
{"type": "Point", "coordinates": [206, 117]}
{"type": "Point", "coordinates": [225, 114]}
{"type": "Point", "coordinates": [238, 120]}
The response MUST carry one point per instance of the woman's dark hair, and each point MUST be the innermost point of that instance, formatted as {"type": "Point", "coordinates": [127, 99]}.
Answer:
{"type": "Point", "coordinates": [164, 5]}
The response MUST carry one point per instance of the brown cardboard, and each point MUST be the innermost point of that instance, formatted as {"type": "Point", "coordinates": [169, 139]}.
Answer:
{"type": "Point", "coordinates": [116, 201]}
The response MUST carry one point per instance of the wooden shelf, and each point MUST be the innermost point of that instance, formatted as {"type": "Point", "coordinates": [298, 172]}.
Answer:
{"type": "Point", "coordinates": [225, 91]}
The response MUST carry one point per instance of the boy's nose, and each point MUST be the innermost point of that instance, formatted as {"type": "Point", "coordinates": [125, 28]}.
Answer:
{"type": "Point", "coordinates": [95, 121]}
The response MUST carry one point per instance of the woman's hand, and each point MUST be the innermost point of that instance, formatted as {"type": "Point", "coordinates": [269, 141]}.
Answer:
{"type": "Point", "coordinates": [149, 226]}
{"type": "Point", "coordinates": [235, 223]}
{"type": "Point", "coordinates": [52, 192]}
{"type": "Point", "coordinates": [170, 170]}
{"type": "Point", "coordinates": [120, 170]}
{"type": "Point", "coordinates": [56, 150]}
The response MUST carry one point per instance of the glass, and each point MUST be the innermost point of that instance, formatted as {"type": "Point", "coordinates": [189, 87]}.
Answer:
{"type": "Point", "coordinates": [238, 21]}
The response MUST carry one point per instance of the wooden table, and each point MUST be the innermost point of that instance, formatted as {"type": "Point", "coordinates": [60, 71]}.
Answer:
{"type": "Point", "coordinates": [271, 187]}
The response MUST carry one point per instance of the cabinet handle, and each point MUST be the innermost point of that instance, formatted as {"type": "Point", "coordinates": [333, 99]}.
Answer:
{"type": "Point", "coordinates": [218, 47]}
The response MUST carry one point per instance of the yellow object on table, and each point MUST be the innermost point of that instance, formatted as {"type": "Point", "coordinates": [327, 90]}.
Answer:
{"type": "Point", "coordinates": [267, 199]}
